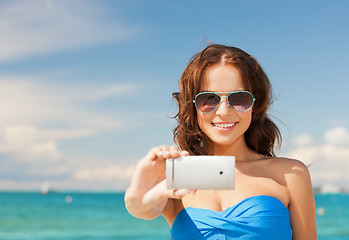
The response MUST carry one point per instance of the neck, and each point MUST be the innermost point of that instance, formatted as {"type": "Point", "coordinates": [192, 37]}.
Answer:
{"type": "Point", "coordinates": [239, 149]}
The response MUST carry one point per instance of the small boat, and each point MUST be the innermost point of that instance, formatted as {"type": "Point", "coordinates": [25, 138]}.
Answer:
{"type": "Point", "coordinates": [45, 187]}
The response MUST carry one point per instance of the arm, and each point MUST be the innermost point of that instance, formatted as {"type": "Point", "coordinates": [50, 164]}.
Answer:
{"type": "Point", "coordinates": [302, 203]}
{"type": "Point", "coordinates": [148, 195]}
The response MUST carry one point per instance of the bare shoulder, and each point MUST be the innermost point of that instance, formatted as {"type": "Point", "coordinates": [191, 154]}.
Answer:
{"type": "Point", "coordinates": [287, 162]}
{"type": "Point", "coordinates": [301, 197]}
{"type": "Point", "coordinates": [291, 173]}
{"type": "Point", "coordinates": [297, 179]}
{"type": "Point", "coordinates": [292, 168]}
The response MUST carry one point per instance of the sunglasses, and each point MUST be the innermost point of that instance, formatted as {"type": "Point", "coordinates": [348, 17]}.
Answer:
{"type": "Point", "coordinates": [240, 101]}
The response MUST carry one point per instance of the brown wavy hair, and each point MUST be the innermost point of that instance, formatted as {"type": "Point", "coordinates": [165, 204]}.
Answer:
{"type": "Point", "coordinates": [262, 133]}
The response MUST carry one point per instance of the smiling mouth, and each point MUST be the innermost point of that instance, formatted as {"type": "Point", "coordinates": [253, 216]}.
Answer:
{"type": "Point", "coordinates": [223, 125]}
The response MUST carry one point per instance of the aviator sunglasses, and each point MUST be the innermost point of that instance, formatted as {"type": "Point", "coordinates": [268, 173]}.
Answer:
{"type": "Point", "coordinates": [240, 101]}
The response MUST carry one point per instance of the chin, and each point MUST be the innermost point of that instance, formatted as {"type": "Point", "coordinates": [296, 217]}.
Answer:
{"type": "Point", "coordinates": [223, 142]}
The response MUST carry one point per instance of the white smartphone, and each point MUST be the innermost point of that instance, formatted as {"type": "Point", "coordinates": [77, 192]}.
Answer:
{"type": "Point", "coordinates": [201, 172]}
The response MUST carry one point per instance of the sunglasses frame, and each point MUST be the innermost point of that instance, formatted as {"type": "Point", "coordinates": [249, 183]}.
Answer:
{"type": "Point", "coordinates": [227, 96]}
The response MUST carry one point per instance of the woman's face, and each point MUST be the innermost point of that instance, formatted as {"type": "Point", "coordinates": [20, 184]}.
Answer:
{"type": "Point", "coordinates": [224, 126]}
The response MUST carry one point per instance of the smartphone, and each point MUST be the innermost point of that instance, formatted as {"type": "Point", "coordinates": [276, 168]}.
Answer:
{"type": "Point", "coordinates": [201, 172]}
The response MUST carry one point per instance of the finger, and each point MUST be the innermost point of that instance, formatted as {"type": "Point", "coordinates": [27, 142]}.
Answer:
{"type": "Point", "coordinates": [155, 153]}
{"type": "Point", "coordinates": [166, 153]}
{"type": "Point", "coordinates": [185, 153]}
{"type": "Point", "coordinates": [174, 152]}
{"type": "Point", "coordinates": [173, 193]}
{"type": "Point", "coordinates": [179, 193]}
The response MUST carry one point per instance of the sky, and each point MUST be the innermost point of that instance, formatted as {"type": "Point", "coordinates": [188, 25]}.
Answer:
{"type": "Point", "coordinates": [85, 86]}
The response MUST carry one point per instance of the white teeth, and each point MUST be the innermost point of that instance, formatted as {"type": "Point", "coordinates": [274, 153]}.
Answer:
{"type": "Point", "coordinates": [224, 125]}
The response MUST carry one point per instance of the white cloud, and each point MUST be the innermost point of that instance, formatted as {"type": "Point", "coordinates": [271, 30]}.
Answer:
{"type": "Point", "coordinates": [35, 115]}
{"type": "Point", "coordinates": [302, 140]}
{"type": "Point", "coordinates": [102, 174]}
{"type": "Point", "coordinates": [71, 173]}
{"type": "Point", "coordinates": [10, 184]}
{"type": "Point", "coordinates": [338, 136]}
{"type": "Point", "coordinates": [111, 91]}
{"type": "Point", "coordinates": [25, 143]}
{"type": "Point", "coordinates": [36, 27]}
{"type": "Point", "coordinates": [112, 172]}
{"type": "Point", "coordinates": [329, 160]}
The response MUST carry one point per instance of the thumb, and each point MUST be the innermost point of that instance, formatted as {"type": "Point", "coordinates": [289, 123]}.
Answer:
{"type": "Point", "coordinates": [178, 193]}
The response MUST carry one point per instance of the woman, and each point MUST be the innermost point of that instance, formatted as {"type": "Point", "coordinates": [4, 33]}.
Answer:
{"type": "Point", "coordinates": [223, 100]}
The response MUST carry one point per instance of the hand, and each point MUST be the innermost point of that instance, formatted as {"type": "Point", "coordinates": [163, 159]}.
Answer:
{"type": "Point", "coordinates": [148, 193]}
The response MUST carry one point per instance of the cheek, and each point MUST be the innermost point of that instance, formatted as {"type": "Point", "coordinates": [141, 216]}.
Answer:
{"type": "Point", "coordinates": [246, 118]}
{"type": "Point", "coordinates": [203, 119]}
{"type": "Point", "coordinates": [200, 120]}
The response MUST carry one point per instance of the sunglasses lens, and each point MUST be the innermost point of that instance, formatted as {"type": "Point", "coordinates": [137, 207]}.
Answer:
{"type": "Point", "coordinates": [241, 101]}
{"type": "Point", "coordinates": [207, 102]}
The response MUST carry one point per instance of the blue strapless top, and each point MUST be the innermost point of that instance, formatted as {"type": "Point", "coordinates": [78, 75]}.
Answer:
{"type": "Point", "coordinates": [258, 217]}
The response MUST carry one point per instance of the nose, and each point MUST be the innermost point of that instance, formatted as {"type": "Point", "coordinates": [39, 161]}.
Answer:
{"type": "Point", "coordinates": [224, 108]}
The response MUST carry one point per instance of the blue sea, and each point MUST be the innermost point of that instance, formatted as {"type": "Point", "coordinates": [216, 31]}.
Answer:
{"type": "Point", "coordinates": [102, 216]}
